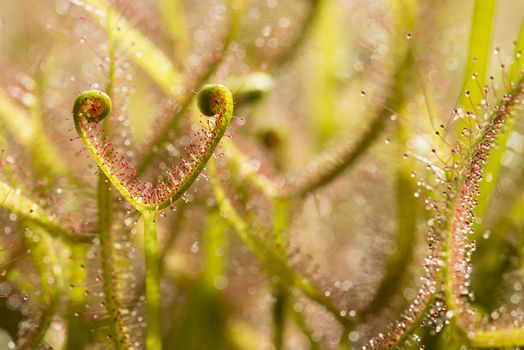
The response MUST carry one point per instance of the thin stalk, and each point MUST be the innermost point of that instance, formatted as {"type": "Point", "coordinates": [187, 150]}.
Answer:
{"type": "Point", "coordinates": [272, 261]}
{"type": "Point", "coordinates": [494, 163]}
{"type": "Point", "coordinates": [304, 327]}
{"type": "Point", "coordinates": [413, 326]}
{"type": "Point", "coordinates": [154, 330]}
{"type": "Point", "coordinates": [344, 343]}
{"type": "Point", "coordinates": [145, 53]}
{"type": "Point", "coordinates": [77, 337]}
{"type": "Point", "coordinates": [478, 57]}
{"type": "Point", "coordinates": [12, 199]}
{"type": "Point", "coordinates": [279, 314]}
{"type": "Point", "coordinates": [328, 58]}
{"type": "Point", "coordinates": [280, 220]}
{"type": "Point", "coordinates": [50, 292]}
{"type": "Point", "coordinates": [499, 338]}
{"type": "Point", "coordinates": [165, 250]}
{"type": "Point", "coordinates": [47, 317]}
{"type": "Point", "coordinates": [280, 292]}
{"type": "Point", "coordinates": [27, 130]}
{"type": "Point", "coordinates": [105, 212]}
{"type": "Point", "coordinates": [105, 222]}
{"type": "Point", "coordinates": [173, 17]}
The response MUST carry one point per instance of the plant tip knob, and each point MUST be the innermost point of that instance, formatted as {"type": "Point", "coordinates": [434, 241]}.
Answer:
{"type": "Point", "coordinates": [212, 99]}
{"type": "Point", "coordinates": [94, 105]}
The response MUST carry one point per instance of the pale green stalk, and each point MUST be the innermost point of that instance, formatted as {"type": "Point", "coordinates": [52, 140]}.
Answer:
{"type": "Point", "coordinates": [154, 328]}
{"type": "Point", "coordinates": [478, 59]}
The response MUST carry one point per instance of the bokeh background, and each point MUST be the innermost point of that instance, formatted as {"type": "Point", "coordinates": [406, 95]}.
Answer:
{"type": "Point", "coordinates": [322, 72]}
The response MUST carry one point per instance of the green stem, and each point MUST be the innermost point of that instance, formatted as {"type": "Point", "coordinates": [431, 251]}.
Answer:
{"type": "Point", "coordinates": [280, 293]}
{"type": "Point", "coordinates": [47, 317]}
{"type": "Point", "coordinates": [14, 200]}
{"type": "Point", "coordinates": [279, 315]}
{"type": "Point", "coordinates": [154, 330]}
{"type": "Point", "coordinates": [498, 338]}
{"type": "Point", "coordinates": [165, 250]}
{"type": "Point", "coordinates": [105, 222]}
{"type": "Point", "coordinates": [478, 57]}
{"type": "Point", "coordinates": [49, 292]}
{"type": "Point", "coordinates": [27, 130]}
{"type": "Point", "coordinates": [344, 343]}
{"type": "Point", "coordinates": [303, 326]}
{"type": "Point", "coordinates": [494, 163]}
{"type": "Point", "coordinates": [414, 325]}
{"type": "Point", "coordinates": [280, 220]}
{"type": "Point", "coordinates": [155, 63]}
{"type": "Point", "coordinates": [272, 261]}
{"type": "Point", "coordinates": [77, 337]}
{"type": "Point", "coordinates": [105, 212]}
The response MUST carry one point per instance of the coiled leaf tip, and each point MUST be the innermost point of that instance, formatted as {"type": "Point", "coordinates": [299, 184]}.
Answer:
{"type": "Point", "coordinates": [213, 98]}
{"type": "Point", "coordinates": [93, 105]}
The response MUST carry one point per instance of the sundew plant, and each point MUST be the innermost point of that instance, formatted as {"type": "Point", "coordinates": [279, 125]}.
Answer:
{"type": "Point", "coordinates": [261, 174]}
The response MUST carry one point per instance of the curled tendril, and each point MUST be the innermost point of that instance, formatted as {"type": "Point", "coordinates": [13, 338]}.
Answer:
{"type": "Point", "coordinates": [92, 106]}
{"type": "Point", "coordinates": [210, 102]}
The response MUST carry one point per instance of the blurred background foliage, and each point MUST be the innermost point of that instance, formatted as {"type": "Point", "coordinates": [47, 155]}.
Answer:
{"type": "Point", "coordinates": [371, 80]}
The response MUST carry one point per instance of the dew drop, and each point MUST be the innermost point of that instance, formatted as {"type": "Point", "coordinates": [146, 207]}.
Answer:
{"type": "Point", "coordinates": [354, 336]}
{"type": "Point", "coordinates": [240, 120]}
{"type": "Point", "coordinates": [195, 247]}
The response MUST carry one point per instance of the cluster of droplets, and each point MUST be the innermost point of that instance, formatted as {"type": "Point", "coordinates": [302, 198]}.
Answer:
{"type": "Point", "coordinates": [420, 305]}
{"type": "Point", "coordinates": [504, 317]}
{"type": "Point", "coordinates": [28, 328]}
{"type": "Point", "coordinates": [428, 307]}
{"type": "Point", "coordinates": [461, 248]}
{"type": "Point", "coordinates": [336, 291]}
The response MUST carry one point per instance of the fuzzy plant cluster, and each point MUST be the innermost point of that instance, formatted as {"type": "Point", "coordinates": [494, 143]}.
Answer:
{"type": "Point", "coordinates": [234, 174]}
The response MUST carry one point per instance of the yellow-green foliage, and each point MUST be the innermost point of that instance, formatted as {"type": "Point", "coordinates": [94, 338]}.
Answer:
{"type": "Point", "coordinates": [263, 174]}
